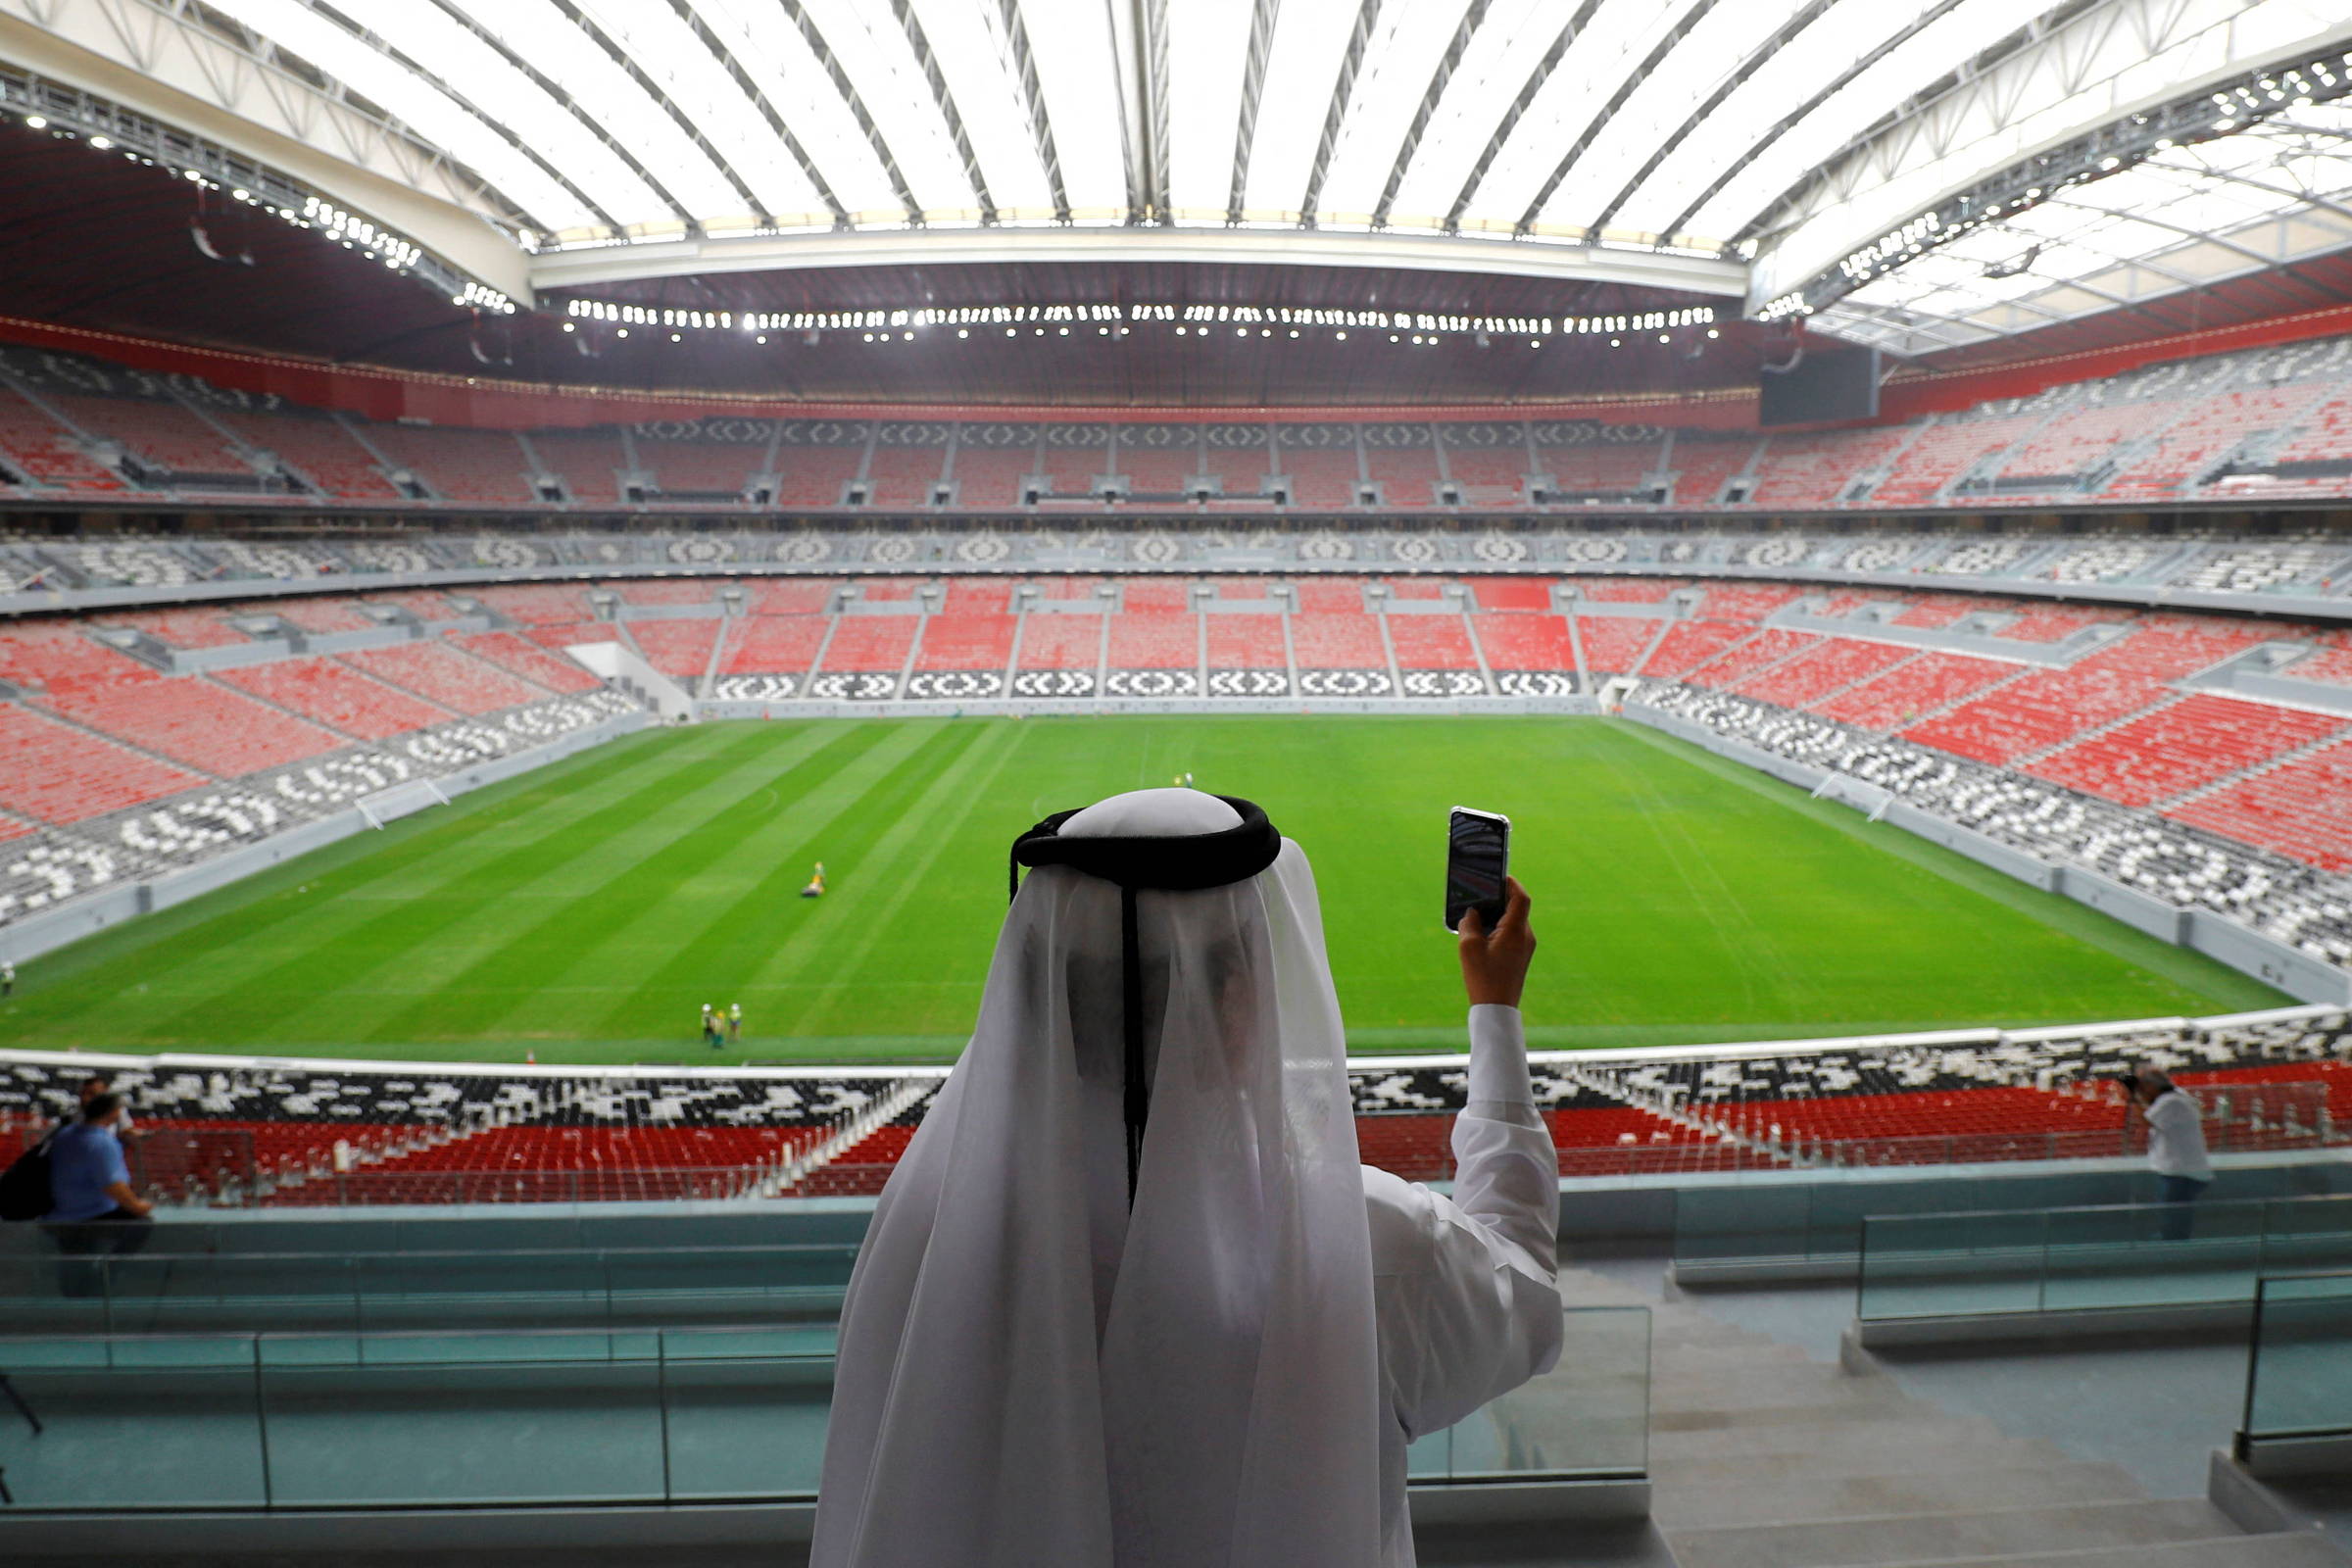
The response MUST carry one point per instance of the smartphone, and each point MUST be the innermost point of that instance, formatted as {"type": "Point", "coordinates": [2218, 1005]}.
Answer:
{"type": "Point", "coordinates": [1478, 855]}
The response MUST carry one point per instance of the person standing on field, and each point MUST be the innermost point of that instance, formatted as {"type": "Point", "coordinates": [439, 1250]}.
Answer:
{"type": "Point", "coordinates": [734, 1023]}
{"type": "Point", "coordinates": [8, 980]}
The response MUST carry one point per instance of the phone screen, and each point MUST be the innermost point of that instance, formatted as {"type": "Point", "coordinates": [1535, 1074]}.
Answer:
{"type": "Point", "coordinates": [1477, 858]}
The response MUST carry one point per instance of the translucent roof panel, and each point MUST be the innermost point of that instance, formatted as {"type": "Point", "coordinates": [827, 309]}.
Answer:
{"type": "Point", "coordinates": [1782, 132]}
{"type": "Point", "coordinates": [2188, 217]}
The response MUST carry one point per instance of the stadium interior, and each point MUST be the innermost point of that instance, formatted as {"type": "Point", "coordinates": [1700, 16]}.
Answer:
{"type": "Point", "coordinates": [1884, 465]}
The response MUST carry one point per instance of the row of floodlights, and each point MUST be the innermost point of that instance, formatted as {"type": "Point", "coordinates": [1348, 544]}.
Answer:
{"type": "Point", "coordinates": [907, 336]}
{"type": "Point", "coordinates": [347, 229]}
{"type": "Point", "coordinates": [1117, 321]}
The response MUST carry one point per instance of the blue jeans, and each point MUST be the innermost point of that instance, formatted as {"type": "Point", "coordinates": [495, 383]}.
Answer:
{"type": "Point", "coordinates": [2179, 1191]}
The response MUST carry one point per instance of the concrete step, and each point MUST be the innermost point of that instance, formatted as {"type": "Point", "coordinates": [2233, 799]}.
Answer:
{"type": "Point", "coordinates": [1795, 1499]}
{"type": "Point", "coordinates": [1832, 1440]}
{"type": "Point", "coordinates": [1884, 1539]}
{"type": "Point", "coordinates": [1927, 1456]}
{"type": "Point", "coordinates": [2301, 1548]}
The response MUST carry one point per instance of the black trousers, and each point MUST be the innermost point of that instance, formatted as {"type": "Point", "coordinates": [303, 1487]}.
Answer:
{"type": "Point", "coordinates": [117, 1233]}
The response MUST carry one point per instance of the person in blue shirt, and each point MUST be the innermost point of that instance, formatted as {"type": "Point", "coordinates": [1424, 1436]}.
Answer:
{"type": "Point", "coordinates": [92, 1210]}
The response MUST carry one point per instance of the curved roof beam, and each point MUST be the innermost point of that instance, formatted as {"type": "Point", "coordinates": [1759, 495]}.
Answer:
{"type": "Point", "coordinates": [1812, 12]}
{"type": "Point", "coordinates": [1310, 200]}
{"type": "Point", "coordinates": [1472, 20]}
{"type": "Point", "coordinates": [1665, 46]}
{"type": "Point", "coordinates": [1254, 84]}
{"type": "Point", "coordinates": [928, 64]}
{"type": "Point", "coordinates": [1033, 105]}
{"type": "Point", "coordinates": [1780, 128]}
{"type": "Point", "coordinates": [1519, 105]}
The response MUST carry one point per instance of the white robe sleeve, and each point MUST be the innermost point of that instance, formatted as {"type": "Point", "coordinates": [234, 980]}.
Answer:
{"type": "Point", "coordinates": [1468, 1304]}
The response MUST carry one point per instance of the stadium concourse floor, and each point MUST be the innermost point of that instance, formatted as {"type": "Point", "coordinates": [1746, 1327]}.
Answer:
{"type": "Point", "coordinates": [587, 912]}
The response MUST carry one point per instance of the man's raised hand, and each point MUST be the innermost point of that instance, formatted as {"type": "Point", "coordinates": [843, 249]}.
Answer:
{"type": "Point", "coordinates": [1495, 962]}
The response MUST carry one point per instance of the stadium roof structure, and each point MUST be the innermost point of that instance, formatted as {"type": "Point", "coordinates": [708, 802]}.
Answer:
{"type": "Point", "coordinates": [1739, 150]}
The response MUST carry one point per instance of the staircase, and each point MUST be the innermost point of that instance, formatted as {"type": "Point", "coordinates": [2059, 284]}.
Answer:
{"type": "Point", "coordinates": [1762, 1457]}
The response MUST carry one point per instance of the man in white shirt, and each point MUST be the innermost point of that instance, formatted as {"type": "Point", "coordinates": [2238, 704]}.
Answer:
{"type": "Point", "coordinates": [1130, 1299]}
{"type": "Point", "coordinates": [2176, 1148]}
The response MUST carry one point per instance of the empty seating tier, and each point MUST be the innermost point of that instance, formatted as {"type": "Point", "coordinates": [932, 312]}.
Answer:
{"type": "Point", "coordinates": [59, 775]}
{"type": "Point", "coordinates": [446, 675]}
{"type": "Point", "coordinates": [332, 693]}
{"type": "Point", "coordinates": [201, 724]}
{"type": "Point", "coordinates": [2191, 741]}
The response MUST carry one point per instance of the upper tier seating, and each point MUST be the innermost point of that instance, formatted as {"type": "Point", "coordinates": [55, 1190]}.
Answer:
{"type": "Point", "coordinates": [678, 649]}
{"type": "Point", "coordinates": [1487, 477]}
{"type": "Point", "coordinates": [1815, 673]}
{"type": "Point", "coordinates": [1905, 691]}
{"type": "Point", "coordinates": [1510, 593]}
{"type": "Point", "coordinates": [548, 604]}
{"type": "Point", "coordinates": [198, 722]}
{"type": "Point", "coordinates": [444, 674]}
{"type": "Point", "coordinates": [990, 476]}
{"type": "Point", "coordinates": [871, 644]}
{"type": "Point", "coordinates": [56, 773]}
{"type": "Point", "coordinates": [162, 436]}
{"type": "Point", "coordinates": [1159, 470]}
{"type": "Point", "coordinates": [814, 475]}
{"type": "Point", "coordinates": [1524, 641]}
{"type": "Point", "coordinates": [1704, 462]}
{"type": "Point", "coordinates": [1338, 641]}
{"type": "Point", "coordinates": [1327, 477]}
{"type": "Point", "coordinates": [775, 645]}
{"type": "Point", "coordinates": [903, 476]}
{"type": "Point", "coordinates": [1073, 470]}
{"type": "Point", "coordinates": [1941, 454]}
{"type": "Point", "coordinates": [1613, 643]}
{"type": "Point", "coordinates": [1603, 469]}
{"type": "Point", "coordinates": [332, 693]}
{"type": "Point", "coordinates": [1689, 644]}
{"type": "Point", "coordinates": [2043, 711]}
{"type": "Point", "coordinates": [1814, 470]}
{"type": "Point", "coordinates": [485, 465]}
{"type": "Point", "coordinates": [53, 655]}
{"type": "Point", "coordinates": [1061, 640]}
{"type": "Point", "coordinates": [2200, 438]}
{"type": "Point", "coordinates": [1744, 658]}
{"type": "Point", "coordinates": [45, 452]}
{"type": "Point", "coordinates": [516, 656]}
{"type": "Point", "coordinates": [1938, 609]}
{"type": "Point", "coordinates": [590, 462]}
{"type": "Point", "coordinates": [974, 641]}
{"type": "Point", "coordinates": [1750, 602]}
{"type": "Point", "coordinates": [1422, 641]}
{"type": "Point", "coordinates": [1165, 595]}
{"type": "Point", "coordinates": [1245, 642]}
{"type": "Point", "coordinates": [2073, 444]}
{"type": "Point", "coordinates": [717, 472]}
{"type": "Point", "coordinates": [1153, 640]}
{"type": "Point", "coordinates": [1407, 476]}
{"type": "Point", "coordinates": [775, 596]}
{"type": "Point", "coordinates": [315, 446]}
{"type": "Point", "coordinates": [1241, 471]}
{"type": "Point", "coordinates": [2191, 741]}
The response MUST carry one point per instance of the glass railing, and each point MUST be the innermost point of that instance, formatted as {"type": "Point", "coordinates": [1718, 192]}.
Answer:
{"type": "Point", "coordinates": [1822, 1220]}
{"type": "Point", "coordinates": [583, 1416]}
{"type": "Point", "coordinates": [422, 1289]}
{"type": "Point", "coordinates": [2099, 1259]}
{"type": "Point", "coordinates": [2299, 1374]}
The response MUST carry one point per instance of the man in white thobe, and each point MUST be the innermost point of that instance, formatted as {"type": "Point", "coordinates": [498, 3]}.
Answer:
{"type": "Point", "coordinates": [1130, 1301]}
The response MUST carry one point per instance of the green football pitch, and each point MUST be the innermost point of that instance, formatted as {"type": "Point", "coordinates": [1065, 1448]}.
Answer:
{"type": "Point", "coordinates": [587, 911]}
